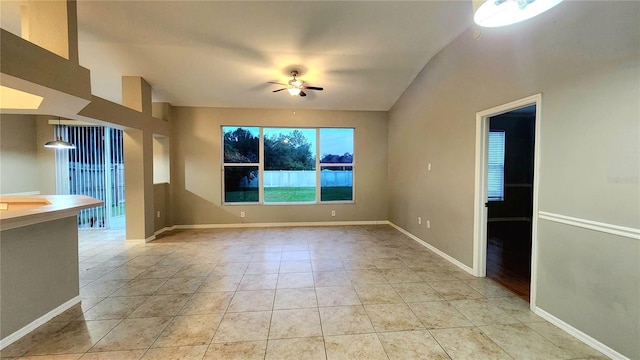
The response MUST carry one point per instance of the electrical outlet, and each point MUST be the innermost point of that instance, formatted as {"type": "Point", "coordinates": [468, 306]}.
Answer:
{"type": "Point", "coordinates": [419, 220]}
{"type": "Point", "coordinates": [241, 213]}
{"type": "Point", "coordinates": [158, 214]}
{"type": "Point", "coordinates": [333, 213]}
{"type": "Point", "coordinates": [428, 224]}
{"type": "Point", "coordinates": [428, 166]}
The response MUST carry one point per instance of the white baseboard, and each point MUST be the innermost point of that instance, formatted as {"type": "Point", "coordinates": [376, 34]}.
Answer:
{"type": "Point", "coordinates": [135, 241]}
{"type": "Point", "coordinates": [39, 321]}
{"type": "Point", "coordinates": [158, 232]}
{"type": "Point", "coordinates": [434, 249]}
{"type": "Point", "coordinates": [282, 224]}
{"type": "Point", "coordinates": [140, 241]}
{"type": "Point", "coordinates": [580, 335]}
{"type": "Point", "coordinates": [164, 229]}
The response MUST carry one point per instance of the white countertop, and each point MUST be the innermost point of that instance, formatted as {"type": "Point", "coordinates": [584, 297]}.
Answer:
{"type": "Point", "coordinates": [59, 206]}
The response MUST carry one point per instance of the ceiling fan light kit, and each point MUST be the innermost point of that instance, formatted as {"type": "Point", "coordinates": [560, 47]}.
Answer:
{"type": "Point", "coordinates": [295, 87]}
{"type": "Point", "coordinates": [496, 13]}
{"type": "Point", "coordinates": [294, 91]}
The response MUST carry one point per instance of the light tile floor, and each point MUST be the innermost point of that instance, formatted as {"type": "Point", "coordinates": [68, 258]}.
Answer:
{"type": "Point", "coordinates": [361, 292]}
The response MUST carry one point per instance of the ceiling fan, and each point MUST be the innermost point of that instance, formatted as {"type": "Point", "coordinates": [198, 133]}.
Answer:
{"type": "Point", "coordinates": [295, 86]}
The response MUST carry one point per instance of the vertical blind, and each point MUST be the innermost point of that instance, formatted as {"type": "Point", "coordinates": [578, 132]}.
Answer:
{"type": "Point", "coordinates": [94, 168]}
{"type": "Point", "coordinates": [495, 171]}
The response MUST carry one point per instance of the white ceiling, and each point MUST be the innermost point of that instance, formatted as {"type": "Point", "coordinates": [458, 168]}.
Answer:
{"type": "Point", "coordinates": [223, 53]}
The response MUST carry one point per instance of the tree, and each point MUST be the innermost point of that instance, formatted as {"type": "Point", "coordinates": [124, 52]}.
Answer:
{"type": "Point", "coordinates": [240, 146]}
{"type": "Point", "coordinates": [288, 152]}
{"type": "Point", "coordinates": [337, 159]}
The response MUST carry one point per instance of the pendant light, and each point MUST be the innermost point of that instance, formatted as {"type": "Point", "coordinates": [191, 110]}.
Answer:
{"type": "Point", "coordinates": [59, 143]}
{"type": "Point", "coordinates": [495, 13]}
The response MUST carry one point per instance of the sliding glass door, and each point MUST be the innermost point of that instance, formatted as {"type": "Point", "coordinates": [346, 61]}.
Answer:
{"type": "Point", "coordinates": [94, 168]}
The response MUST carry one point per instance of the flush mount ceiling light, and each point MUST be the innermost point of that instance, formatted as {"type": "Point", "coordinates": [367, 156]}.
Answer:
{"type": "Point", "coordinates": [495, 13]}
{"type": "Point", "coordinates": [59, 143]}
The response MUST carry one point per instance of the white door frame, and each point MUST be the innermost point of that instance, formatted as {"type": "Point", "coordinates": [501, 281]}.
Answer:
{"type": "Point", "coordinates": [480, 210]}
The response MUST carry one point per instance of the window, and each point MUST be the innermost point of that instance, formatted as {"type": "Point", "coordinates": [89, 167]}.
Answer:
{"type": "Point", "coordinates": [240, 164]}
{"type": "Point", "coordinates": [336, 171]}
{"type": "Point", "coordinates": [289, 165]}
{"type": "Point", "coordinates": [495, 171]}
{"type": "Point", "coordinates": [282, 165]}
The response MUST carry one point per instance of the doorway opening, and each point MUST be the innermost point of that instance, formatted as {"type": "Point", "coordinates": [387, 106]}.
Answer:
{"type": "Point", "coordinates": [510, 198]}
{"type": "Point", "coordinates": [507, 141]}
{"type": "Point", "coordinates": [94, 168]}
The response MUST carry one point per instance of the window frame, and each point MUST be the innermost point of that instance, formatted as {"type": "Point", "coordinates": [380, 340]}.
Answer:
{"type": "Point", "coordinates": [224, 165]}
{"type": "Point", "coordinates": [319, 166]}
{"type": "Point", "coordinates": [261, 167]}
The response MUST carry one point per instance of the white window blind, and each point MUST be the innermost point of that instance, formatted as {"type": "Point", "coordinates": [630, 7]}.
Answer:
{"type": "Point", "coordinates": [495, 173]}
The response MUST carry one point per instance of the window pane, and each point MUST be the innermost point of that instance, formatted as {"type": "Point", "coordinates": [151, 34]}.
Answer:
{"type": "Point", "coordinates": [289, 164]}
{"type": "Point", "coordinates": [495, 169]}
{"type": "Point", "coordinates": [336, 145]}
{"type": "Point", "coordinates": [241, 144]}
{"type": "Point", "coordinates": [336, 183]}
{"type": "Point", "coordinates": [241, 184]}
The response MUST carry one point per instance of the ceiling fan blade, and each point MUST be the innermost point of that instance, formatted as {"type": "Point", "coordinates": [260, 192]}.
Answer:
{"type": "Point", "coordinates": [279, 90]}
{"type": "Point", "coordinates": [302, 93]}
{"type": "Point", "coordinates": [312, 88]}
{"type": "Point", "coordinates": [277, 83]}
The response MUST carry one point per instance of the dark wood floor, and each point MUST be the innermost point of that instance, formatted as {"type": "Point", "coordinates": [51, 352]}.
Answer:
{"type": "Point", "coordinates": [509, 255]}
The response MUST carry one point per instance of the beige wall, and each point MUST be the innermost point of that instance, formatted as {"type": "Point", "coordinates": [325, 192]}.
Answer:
{"type": "Point", "coordinates": [161, 206]}
{"type": "Point", "coordinates": [196, 168]}
{"type": "Point", "coordinates": [584, 57]}
{"type": "Point", "coordinates": [38, 271]}
{"type": "Point", "coordinates": [46, 156]}
{"type": "Point", "coordinates": [591, 280]}
{"type": "Point", "coordinates": [22, 152]}
{"type": "Point", "coordinates": [161, 186]}
{"type": "Point", "coordinates": [18, 154]}
{"type": "Point", "coordinates": [160, 159]}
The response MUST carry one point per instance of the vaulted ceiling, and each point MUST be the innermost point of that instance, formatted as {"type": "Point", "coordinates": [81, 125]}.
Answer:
{"type": "Point", "coordinates": [223, 53]}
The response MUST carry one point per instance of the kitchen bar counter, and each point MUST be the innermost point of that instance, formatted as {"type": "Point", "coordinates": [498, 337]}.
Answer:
{"type": "Point", "coordinates": [38, 260]}
{"type": "Point", "coordinates": [16, 211]}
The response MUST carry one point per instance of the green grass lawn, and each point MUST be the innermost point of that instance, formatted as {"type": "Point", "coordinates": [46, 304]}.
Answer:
{"type": "Point", "coordinates": [291, 194]}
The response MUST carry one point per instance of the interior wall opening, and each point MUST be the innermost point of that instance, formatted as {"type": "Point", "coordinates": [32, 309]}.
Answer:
{"type": "Point", "coordinates": [514, 187]}
{"type": "Point", "coordinates": [510, 199]}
